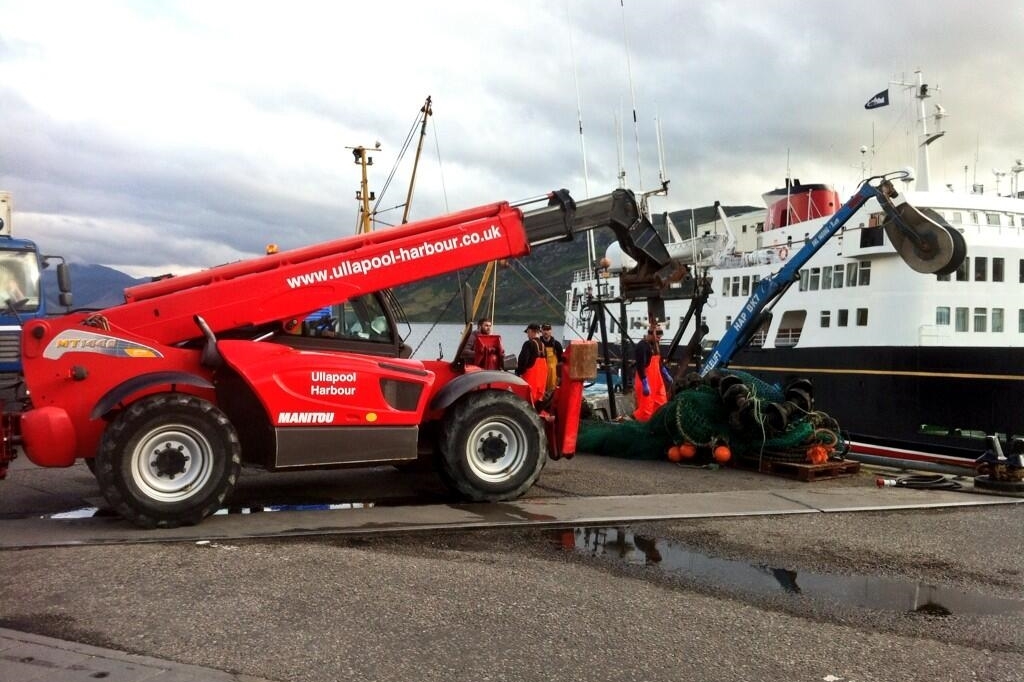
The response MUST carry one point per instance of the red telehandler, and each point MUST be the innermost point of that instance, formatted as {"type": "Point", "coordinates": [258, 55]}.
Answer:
{"type": "Point", "coordinates": [169, 393]}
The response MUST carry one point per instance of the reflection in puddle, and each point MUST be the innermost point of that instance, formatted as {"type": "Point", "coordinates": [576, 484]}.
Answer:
{"type": "Point", "coordinates": [869, 592]}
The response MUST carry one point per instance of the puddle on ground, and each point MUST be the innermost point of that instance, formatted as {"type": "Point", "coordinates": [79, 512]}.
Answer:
{"type": "Point", "coordinates": [871, 592]}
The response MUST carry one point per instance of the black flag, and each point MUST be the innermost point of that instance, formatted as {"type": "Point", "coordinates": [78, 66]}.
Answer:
{"type": "Point", "coordinates": [879, 100]}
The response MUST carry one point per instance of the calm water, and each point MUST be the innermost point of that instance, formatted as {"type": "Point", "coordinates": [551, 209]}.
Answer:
{"type": "Point", "coordinates": [432, 341]}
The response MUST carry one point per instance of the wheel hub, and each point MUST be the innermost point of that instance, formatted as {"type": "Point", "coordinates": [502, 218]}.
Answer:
{"type": "Point", "coordinates": [492, 447]}
{"type": "Point", "coordinates": [169, 460]}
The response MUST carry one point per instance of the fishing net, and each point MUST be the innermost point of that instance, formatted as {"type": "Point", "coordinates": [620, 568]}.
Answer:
{"type": "Point", "coordinates": [754, 419]}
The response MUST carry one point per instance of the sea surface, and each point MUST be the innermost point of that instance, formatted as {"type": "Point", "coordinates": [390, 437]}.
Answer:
{"type": "Point", "coordinates": [430, 342]}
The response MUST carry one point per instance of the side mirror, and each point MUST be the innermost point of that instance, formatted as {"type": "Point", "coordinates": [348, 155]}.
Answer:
{"type": "Point", "coordinates": [64, 279]}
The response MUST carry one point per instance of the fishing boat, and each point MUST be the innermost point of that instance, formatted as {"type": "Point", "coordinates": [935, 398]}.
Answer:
{"type": "Point", "coordinates": [913, 366]}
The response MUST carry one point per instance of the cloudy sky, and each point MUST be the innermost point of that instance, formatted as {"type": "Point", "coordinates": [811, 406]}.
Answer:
{"type": "Point", "coordinates": [171, 136]}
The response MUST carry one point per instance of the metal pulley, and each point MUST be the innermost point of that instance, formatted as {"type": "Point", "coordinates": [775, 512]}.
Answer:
{"type": "Point", "coordinates": [923, 239]}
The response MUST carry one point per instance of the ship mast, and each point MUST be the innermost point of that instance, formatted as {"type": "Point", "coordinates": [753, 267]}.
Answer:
{"type": "Point", "coordinates": [924, 138]}
{"type": "Point", "coordinates": [363, 195]}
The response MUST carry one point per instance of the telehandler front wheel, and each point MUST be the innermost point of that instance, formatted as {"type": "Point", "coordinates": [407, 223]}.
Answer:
{"type": "Point", "coordinates": [170, 459]}
{"type": "Point", "coordinates": [492, 447]}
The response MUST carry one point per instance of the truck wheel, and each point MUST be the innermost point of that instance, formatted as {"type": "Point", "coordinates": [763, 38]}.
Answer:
{"type": "Point", "coordinates": [168, 460]}
{"type": "Point", "coordinates": [493, 447]}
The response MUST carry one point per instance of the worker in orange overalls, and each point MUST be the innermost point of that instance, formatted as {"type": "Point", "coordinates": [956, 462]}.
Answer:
{"type": "Point", "coordinates": [652, 378]}
{"type": "Point", "coordinates": [532, 365]}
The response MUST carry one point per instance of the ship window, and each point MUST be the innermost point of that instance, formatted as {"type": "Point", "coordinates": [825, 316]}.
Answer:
{"type": "Point", "coordinates": [862, 317]}
{"type": "Point", "coordinates": [963, 273]}
{"type": "Point", "coordinates": [942, 278]}
{"type": "Point", "coordinates": [851, 275]}
{"type": "Point", "coordinates": [980, 319]}
{"type": "Point", "coordinates": [790, 327]}
{"type": "Point", "coordinates": [837, 277]}
{"type": "Point", "coordinates": [815, 279]}
{"type": "Point", "coordinates": [826, 277]}
{"type": "Point", "coordinates": [725, 286]}
{"type": "Point", "coordinates": [760, 227]}
{"type": "Point", "coordinates": [754, 279]}
{"type": "Point", "coordinates": [735, 286]}
{"type": "Point", "coordinates": [746, 285]}
{"type": "Point", "coordinates": [980, 269]}
{"type": "Point", "coordinates": [997, 319]}
{"type": "Point", "coordinates": [942, 316]}
{"type": "Point", "coordinates": [826, 318]}
{"type": "Point", "coordinates": [842, 317]}
{"type": "Point", "coordinates": [992, 218]}
{"type": "Point", "coordinates": [804, 276]}
{"type": "Point", "coordinates": [1020, 276]}
{"type": "Point", "coordinates": [997, 270]}
{"type": "Point", "coordinates": [864, 277]}
{"type": "Point", "coordinates": [974, 218]}
{"type": "Point", "coordinates": [958, 217]}
{"type": "Point", "coordinates": [728, 322]}
{"type": "Point", "coordinates": [1020, 321]}
{"type": "Point", "coordinates": [870, 236]}
{"type": "Point", "coordinates": [961, 319]}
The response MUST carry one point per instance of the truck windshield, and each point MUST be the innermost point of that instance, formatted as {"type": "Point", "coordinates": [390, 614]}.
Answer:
{"type": "Point", "coordinates": [361, 319]}
{"type": "Point", "coordinates": [19, 279]}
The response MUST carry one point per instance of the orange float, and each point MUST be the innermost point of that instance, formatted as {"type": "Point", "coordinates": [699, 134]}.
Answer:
{"type": "Point", "coordinates": [721, 454]}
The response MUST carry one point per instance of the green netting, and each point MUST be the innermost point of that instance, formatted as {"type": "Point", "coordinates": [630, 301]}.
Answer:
{"type": "Point", "coordinates": [698, 415]}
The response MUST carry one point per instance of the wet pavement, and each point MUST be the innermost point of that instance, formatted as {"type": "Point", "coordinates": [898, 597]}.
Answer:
{"type": "Point", "coordinates": [894, 593]}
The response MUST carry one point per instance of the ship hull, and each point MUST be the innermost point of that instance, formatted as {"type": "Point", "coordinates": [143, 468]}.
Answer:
{"type": "Point", "coordinates": [938, 400]}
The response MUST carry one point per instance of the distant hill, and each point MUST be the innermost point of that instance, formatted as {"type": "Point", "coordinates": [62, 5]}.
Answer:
{"type": "Point", "coordinates": [92, 286]}
{"type": "Point", "coordinates": [528, 289]}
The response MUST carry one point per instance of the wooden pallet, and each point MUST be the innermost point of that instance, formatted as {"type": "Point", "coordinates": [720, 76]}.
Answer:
{"type": "Point", "coordinates": [807, 472]}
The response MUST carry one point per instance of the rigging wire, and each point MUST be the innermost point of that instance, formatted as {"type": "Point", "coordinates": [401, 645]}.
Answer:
{"type": "Point", "coordinates": [394, 169]}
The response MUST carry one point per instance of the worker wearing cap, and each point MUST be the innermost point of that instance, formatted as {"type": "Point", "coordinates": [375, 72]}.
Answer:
{"type": "Point", "coordinates": [651, 376]}
{"type": "Point", "coordinates": [552, 354]}
{"type": "Point", "coordinates": [532, 366]}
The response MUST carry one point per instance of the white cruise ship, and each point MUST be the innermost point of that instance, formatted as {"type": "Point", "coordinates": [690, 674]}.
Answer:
{"type": "Point", "coordinates": [912, 366]}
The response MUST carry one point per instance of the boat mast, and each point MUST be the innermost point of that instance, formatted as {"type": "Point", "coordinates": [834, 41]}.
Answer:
{"type": "Point", "coordinates": [591, 245]}
{"type": "Point", "coordinates": [632, 93]}
{"type": "Point", "coordinates": [363, 195]}
{"type": "Point", "coordinates": [426, 111]}
{"type": "Point", "coordinates": [924, 138]}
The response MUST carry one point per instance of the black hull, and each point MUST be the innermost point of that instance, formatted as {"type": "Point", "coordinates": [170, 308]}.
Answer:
{"type": "Point", "coordinates": [936, 399]}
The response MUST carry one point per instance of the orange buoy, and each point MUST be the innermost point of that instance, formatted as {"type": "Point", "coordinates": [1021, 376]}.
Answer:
{"type": "Point", "coordinates": [817, 454]}
{"type": "Point", "coordinates": [673, 454]}
{"type": "Point", "coordinates": [721, 454]}
{"type": "Point", "coordinates": [687, 450]}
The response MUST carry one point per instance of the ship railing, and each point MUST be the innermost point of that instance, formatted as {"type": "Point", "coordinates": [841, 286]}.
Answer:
{"type": "Point", "coordinates": [788, 337]}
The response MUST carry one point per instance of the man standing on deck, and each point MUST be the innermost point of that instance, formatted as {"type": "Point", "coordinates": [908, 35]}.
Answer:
{"type": "Point", "coordinates": [552, 354]}
{"type": "Point", "coordinates": [651, 376]}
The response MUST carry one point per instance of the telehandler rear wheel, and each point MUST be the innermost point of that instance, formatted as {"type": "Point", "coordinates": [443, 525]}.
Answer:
{"type": "Point", "coordinates": [492, 447]}
{"type": "Point", "coordinates": [170, 459]}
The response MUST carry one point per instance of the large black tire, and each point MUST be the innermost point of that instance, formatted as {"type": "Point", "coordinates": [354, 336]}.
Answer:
{"type": "Point", "coordinates": [493, 447]}
{"type": "Point", "coordinates": [170, 459]}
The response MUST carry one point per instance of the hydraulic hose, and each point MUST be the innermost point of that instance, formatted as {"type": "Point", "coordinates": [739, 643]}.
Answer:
{"type": "Point", "coordinates": [920, 482]}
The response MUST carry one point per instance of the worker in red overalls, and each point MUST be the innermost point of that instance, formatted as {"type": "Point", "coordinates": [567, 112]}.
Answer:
{"type": "Point", "coordinates": [532, 365]}
{"type": "Point", "coordinates": [652, 378]}
{"type": "Point", "coordinates": [488, 352]}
